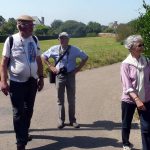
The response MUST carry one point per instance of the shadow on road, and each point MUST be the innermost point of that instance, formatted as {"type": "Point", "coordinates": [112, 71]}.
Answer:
{"type": "Point", "coordinates": [84, 142]}
{"type": "Point", "coordinates": [108, 125]}
{"type": "Point", "coordinates": [97, 125]}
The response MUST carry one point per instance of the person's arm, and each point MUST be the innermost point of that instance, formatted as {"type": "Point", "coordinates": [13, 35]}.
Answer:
{"type": "Point", "coordinates": [82, 63]}
{"type": "Point", "coordinates": [40, 73]}
{"type": "Point", "coordinates": [4, 75]}
{"type": "Point", "coordinates": [138, 101]}
{"type": "Point", "coordinates": [50, 66]}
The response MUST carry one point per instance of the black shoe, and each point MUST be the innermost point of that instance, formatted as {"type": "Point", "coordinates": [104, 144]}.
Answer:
{"type": "Point", "coordinates": [20, 147]}
{"type": "Point", "coordinates": [29, 137]}
{"type": "Point", "coordinates": [75, 125]}
{"type": "Point", "coordinates": [61, 125]}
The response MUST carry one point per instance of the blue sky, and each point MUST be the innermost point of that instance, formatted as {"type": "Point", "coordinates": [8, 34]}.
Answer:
{"type": "Point", "coordinates": [101, 11]}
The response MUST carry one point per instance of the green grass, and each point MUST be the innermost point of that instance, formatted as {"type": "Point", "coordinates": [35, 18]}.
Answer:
{"type": "Point", "coordinates": [101, 51]}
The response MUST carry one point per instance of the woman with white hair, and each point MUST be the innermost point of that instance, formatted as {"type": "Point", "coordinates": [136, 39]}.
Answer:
{"type": "Point", "coordinates": [135, 78]}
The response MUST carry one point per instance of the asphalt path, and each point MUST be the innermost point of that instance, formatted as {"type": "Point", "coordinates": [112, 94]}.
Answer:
{"type": "Point", "coordinates": [97, 110]}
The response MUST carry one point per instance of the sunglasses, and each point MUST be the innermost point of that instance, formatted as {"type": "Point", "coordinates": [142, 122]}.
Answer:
{"type": "Point", "coordinates": [24, 25]}
{"type": "Point", "coordinates": [140, 45]}
{"type": "Point", "coordinates": [63, 38]}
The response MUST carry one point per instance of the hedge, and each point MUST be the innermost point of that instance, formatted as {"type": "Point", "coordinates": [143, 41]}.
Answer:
{"type": "Point", "coordinates": [3, 38]}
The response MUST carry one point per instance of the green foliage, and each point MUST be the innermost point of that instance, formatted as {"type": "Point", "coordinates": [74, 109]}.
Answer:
{"type": "Point", "coordinates": [41, 30]}
{"type": "Point", "coordinates": [93, 27]}
{"type": "Point", "coordinates": [76, 29]}
{"type": "Point", "coordinates": [9, 27]}
{"type": "Point", "coordinates": [124, 30]}
{"type": "Point", "coordinates": [108, 30]}
{"type": "Point", "coordinates": [56, 24]}
{"type": "Point", "coordinates": [2, 21]}
{"type": "Point", "coordinates": [92, 34]}
{"type": "Point", "coordinates": [143, 26]}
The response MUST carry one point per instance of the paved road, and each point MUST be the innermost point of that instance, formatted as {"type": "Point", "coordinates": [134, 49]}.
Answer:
{"type": "Point", "coordinates": [98, 112]}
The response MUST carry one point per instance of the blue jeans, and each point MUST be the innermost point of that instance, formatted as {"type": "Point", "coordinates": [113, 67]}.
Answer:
{"type": "Point", "coordinates": [22, 98]}
{"type": "Point", "coordinates": [145, 126]}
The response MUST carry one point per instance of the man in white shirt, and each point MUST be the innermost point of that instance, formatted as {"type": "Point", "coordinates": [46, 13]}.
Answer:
{"type": "Point", "coordinates": [23, 62]}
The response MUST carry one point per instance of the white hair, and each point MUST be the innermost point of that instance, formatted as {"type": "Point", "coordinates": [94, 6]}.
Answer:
{"type": "Point", "coordinates": [129, 42]}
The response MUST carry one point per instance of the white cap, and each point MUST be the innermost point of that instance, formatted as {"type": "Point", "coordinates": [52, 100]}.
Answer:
{"type": "Point", "coordinates": [64, 34]}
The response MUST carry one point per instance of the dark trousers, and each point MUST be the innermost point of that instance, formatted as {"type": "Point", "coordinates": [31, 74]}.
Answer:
{"type": "Point", "coordinates": [22, 97]}
{"type": "Point", "coordinates": [127, 116]}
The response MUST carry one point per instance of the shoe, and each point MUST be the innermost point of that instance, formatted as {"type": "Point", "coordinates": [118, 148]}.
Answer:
{"type": "Point", "coordinates": [29, 137]}
{"type": "Point", "coordinates": [20, 147]}
{"type": "Point", "coordinates": [126, 148]}
{"type": "Point", "coordinates": [60, 125]}
{"type": "Point", "coordinates": [75, 125]}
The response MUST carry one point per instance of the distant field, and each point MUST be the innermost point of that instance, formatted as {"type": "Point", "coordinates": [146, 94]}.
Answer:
{"type": "Point", "coordinates": [101, 51]}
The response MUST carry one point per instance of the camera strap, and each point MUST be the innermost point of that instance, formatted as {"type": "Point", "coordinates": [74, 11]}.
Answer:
{"type": "Point", "coordinates": [61, 56]}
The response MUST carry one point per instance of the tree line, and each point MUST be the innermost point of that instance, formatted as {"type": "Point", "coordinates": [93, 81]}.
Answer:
{"type": "Point", "coordinates": [140, 25]}
{"type": "Point", "coordinates": [75, 28]}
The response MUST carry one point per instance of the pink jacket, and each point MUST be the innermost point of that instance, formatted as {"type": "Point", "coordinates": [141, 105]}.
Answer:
{"type": "Point", "coordinates": [129, 81]}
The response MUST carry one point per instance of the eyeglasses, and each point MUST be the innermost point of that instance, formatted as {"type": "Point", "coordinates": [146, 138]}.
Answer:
{"type": "Point", "coordinates": [140, 45]}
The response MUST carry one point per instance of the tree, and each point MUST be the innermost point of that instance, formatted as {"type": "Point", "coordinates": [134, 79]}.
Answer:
{"type": "Point", "coordinates": [2, 21]}
{"type": "Point", "coordinates": [143, 27]}
{"type": "Point", "coordinates": [41, 30]}
{"type": "Point", "coordinates": [9, 27]}
{"type": "Point", "coordinates": [93, 27]}
{"type": "Point", "coordinates": [124, 30]}
{"type": "Point", "coordinates": [56, 24]}
{"type": "Point", "coordinates": [80, 30]}
{"type": "Point", "coordinates": [76, 29]}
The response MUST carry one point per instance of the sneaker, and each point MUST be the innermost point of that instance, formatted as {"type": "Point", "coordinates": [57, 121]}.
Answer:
{"type": "Point", "coordinates": [60, 125]}
{"type": "Point", "coordinates": [75, 125]}
{"type": "Point", "coordinates": [126, 148]}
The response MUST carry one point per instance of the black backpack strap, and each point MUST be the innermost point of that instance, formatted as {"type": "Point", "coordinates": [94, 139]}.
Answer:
{"type": "Point", "coordinates": [60, 58]}
{"type": "Point", "coordinates": [11, 42]}
{"type": "Point", "coordinates": [34, 38]}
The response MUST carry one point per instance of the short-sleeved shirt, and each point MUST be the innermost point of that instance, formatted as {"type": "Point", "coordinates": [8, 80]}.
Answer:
{"type": "Point", "coordinates": [69, 60]}
{"type": "Point", "coordinates": [22, 57]}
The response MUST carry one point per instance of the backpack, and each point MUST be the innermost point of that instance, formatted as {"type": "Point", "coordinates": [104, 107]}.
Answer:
{"type": "Point", "coordinates": [11, 40]}
{"type": "Point", "coordinates": [11, 44]}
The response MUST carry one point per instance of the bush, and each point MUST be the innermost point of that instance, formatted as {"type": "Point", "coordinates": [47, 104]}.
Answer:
{"type": "Point", "coordinates": [143, 26]}
{"type": "Point", "coordinates": [123, 31]}
{"type": "Point", "coordinates": [3, 38]}
{"type": "Point", "coordinates": [93, 34]}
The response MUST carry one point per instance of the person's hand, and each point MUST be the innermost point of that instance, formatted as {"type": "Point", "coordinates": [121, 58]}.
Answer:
{"type": "Point", "coordinates": [53, 69]}
{"type": "Point", "coordinates": [140, 105]}
{"type": "Point", "coordinates": [5, 88]}
{"type": "Point", "coordinates": [40, 84]}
